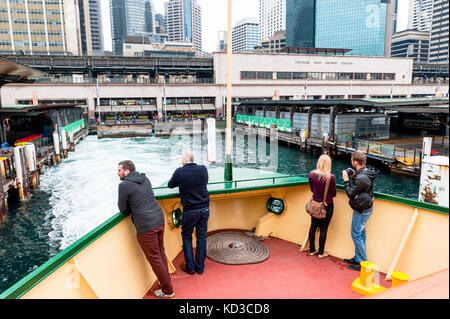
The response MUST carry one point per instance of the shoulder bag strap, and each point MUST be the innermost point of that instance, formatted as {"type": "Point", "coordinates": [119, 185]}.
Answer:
{"type": "Point", "coordinates": [326, 189]}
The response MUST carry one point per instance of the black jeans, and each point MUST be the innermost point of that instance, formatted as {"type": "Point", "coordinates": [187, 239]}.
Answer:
{"type": "Point", "coordinates": [322, 224]}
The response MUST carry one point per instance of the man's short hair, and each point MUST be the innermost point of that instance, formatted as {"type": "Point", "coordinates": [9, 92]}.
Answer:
{"type": "Point", "coordinates": [129, 165]}
{"type": "Point", "coordinates": [359, 157]}
{"type": "Point", "coordinates": [188, 157]}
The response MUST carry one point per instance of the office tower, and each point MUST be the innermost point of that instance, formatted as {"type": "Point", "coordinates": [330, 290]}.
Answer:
{"type": "Point", "coordinates": [90, 27]}
{"type": "Point", "coordinates": [422, 15]}
{"type": "Point", "coordinates": [300, 23]}
{"type": "Point", "coordinates": [183, 22]}
{"type": "Point", "coordinates": [272, 18]}
{"type": "Point", "coordinates": [412, 44]}
{"type": "Point", "coordinates": [364, 26]}
{"type": "Point", "coordinates": [130, 17]}
{"type": "Point", "coordinates": [439, 32]}
{"type": "Point", "coordinates": [245, 35]}
{"type": "Point", "coordinates": [36, 27]}
{"type": "Point", "coordinates": [149, 17]}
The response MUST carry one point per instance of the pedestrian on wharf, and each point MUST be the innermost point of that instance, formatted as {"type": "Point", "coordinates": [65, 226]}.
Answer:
{"type": "Point", "coordinates": [354, 140]}
{"type": "Point", "coordinates": [192, 180]}
{"type": "Point", "coordinates": [317, 182]}
{"type": "Point", "coordinates": [361, 201]}
{"type": "Point", "coordinates": [136, 197]}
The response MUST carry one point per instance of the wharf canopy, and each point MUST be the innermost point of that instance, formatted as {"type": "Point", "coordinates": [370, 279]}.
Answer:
{"type": "Point", "coordinates": [12, 72]}
{"type": "Point", "coordinates": [370, 118]}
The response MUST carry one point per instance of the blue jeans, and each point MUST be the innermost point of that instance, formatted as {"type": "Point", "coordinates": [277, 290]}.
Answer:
{"type": "Point", "coordinates": [359, 225]}
{"type": "Point", "coordinates": [197, 219]}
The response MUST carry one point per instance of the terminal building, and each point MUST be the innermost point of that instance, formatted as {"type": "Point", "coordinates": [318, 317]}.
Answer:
{"type": "Point", "coordinates": [254, 77]}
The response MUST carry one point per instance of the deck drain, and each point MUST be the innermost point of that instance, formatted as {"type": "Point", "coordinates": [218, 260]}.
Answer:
{"type": "Point", "coordinates": [233, 248]}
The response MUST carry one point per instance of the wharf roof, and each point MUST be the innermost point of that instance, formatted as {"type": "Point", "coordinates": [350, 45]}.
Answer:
{"type": "Point", "coordinates": [33, 110]}
{"type": "Point", "coordinates": [12, 72]}
{"type": "Point", "coordinates": [407, 105]}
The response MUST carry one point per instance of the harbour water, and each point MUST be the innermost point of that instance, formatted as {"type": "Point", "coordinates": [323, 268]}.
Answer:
{"type": "Point", "coordinates": [81, 193]}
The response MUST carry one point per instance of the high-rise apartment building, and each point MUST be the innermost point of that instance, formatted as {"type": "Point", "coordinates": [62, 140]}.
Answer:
{"type": "Point", "coordinates": [130, 17]}
{"type": "Point", "coordinates": [35, 27]}
{"type": "Point", "coordinates": [272, 18]}
{"type": "Point", "coordinates": [422, 15]}
{"type": "Point", "coordinates": [439, 32]}
{"type": "Point", "coordinates": [364, 26]}
{"type": "Point", "coordinates": [245, 35]}
{"type": "Point", "coordinates": [184, 22]}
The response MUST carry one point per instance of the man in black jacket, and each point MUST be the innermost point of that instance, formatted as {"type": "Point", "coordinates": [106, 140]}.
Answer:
{"type": "Point", "coordinates": [192, 180]}
{"type": "Point", "coordinates": [136, 197]}
{"type": "Point", "coordinates": [361, 201]}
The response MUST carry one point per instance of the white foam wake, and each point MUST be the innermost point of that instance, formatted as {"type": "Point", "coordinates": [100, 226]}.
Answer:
{"type": "Point", "coordinates": [84, 187]}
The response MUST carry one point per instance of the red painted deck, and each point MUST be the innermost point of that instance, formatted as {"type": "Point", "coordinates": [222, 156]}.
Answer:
{"type": "Point", "coordinates": [287, 274]}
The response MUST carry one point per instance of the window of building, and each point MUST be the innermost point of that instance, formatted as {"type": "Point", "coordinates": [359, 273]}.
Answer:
{"type": "Point", "coordinates": [245, 75]}
{"type": "Point", "coordinates": [330, 76]}
{"type": "Point", "coordinates": [284, 75]}
{"type": "Point", "coordinates": [264, 75]}
{"type": "Point", "coordinates": [314, 75]}
{"type": "Point", "coordinates": [299, 75]}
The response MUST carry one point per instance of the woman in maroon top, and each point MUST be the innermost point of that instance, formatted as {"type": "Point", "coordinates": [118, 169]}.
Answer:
{"type": "Point", "coordinates": [317, 181]}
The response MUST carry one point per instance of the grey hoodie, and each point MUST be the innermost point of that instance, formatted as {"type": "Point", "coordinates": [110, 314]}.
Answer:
{"type": "Point", "coordinates": [136, 197]}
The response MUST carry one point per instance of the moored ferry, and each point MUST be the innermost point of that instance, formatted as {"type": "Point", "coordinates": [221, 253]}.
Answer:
{"type": "Point", "coordinates": [403, 236]}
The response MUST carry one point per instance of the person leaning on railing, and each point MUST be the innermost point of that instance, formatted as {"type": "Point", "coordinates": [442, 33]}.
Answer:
{"type": "Point", "coordinates": [192, 180]}
{"type": "Point", "coordinates": [136, 197]}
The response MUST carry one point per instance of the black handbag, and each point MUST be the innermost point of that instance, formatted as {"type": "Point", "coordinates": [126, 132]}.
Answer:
{"type": "Point", "coordinates": [361, 202]}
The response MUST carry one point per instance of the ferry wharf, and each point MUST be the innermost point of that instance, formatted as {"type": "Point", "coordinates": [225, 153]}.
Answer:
{"type": "Point", "coordinates": [327, 125]}
{"type": "Point", "coordinates": [29, 144]}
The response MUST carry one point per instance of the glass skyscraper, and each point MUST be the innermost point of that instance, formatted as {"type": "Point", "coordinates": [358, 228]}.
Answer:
{"type": "Point", "coordinates": [359, 25]}
{"type": "Point", "coordinates": [129, 17]}
{"type": "Point", "coordinates": [300, 23]}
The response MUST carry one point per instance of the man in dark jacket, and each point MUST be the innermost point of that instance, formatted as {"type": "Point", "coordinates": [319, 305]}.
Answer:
{"type": "Point", "coordinates": [136, 197]}
{"type": "Point", "coordinates": [361, 201]}
{"type": "Point", "coordinates": [192, 180]}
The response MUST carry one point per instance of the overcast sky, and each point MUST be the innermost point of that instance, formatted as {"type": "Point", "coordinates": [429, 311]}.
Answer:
{"type": "Point", "coordinates": [214, 18]}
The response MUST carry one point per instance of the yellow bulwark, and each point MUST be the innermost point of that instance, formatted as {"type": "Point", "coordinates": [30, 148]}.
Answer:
{"type": "Point", "coordinates": [108, 262]}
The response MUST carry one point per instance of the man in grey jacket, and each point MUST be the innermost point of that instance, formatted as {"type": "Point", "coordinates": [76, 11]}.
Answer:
{"type": "Point", "coordinates": [136, 197]}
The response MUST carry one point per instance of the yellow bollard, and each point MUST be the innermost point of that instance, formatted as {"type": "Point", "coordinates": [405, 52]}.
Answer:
{"type": "Point", "coordinates": [399, 278]}
{"type": "Point", "coordinates": [364, 284]}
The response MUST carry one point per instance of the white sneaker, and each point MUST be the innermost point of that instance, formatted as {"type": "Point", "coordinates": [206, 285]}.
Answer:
{"type": "Point", "coordinates": [312, 254]}
{"type": "Point", "coordinates": [159, 293]}
{"type": "Point", "coordinates": [325, 254]}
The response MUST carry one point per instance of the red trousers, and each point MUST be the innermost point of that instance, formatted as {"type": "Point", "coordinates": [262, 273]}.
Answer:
{"type": "Point", "coordinates": [152, 243]}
